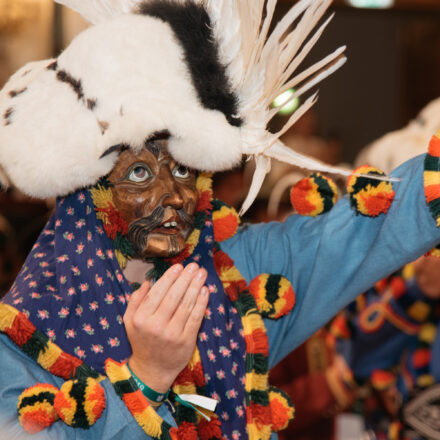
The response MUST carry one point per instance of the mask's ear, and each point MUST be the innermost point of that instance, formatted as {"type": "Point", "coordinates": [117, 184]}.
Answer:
{"type": "Point", "coordinates": [96, 11]}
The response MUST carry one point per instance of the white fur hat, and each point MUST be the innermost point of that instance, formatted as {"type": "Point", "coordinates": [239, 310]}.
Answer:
{"type": "Point", "coordinates": [206, 71]}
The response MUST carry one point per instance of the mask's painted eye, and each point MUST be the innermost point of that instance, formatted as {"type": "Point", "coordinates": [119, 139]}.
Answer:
{"type": "Point", "coordinates": [181, 171]}
{"type": "Point", "coordinates": [139, 174]}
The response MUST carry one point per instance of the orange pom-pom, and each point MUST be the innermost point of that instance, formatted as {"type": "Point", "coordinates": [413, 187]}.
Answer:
{"type": "Point", "coordinates": [398, 286]}
{"type": "Point", "coordinates": [382, 380]}
{"type": "Point", "coordinates": [74, 394]}
{"type": "Point", "coordinates": [35, 407]}
{"type": "Point", "coordinates": [339, 328]}
{"type": "Point", "coordinates": [369, 197]}
{"type": "Point", "coordinates": [421, 357]}
{"type": "Point", "coordinates": [273, 294]}
{"type": "Point", "coordinates": [187, 431]}
{"type": "Point", "coordinates": [281, 408]}
{"type": "Point", "coordinates": [314, 195]}
{"type": "Point", "coordinates": [434, 146]}
{"type": "Point", "coordinates": [209, 430]}
{"type": "Point", "coordinates": [225, 220]}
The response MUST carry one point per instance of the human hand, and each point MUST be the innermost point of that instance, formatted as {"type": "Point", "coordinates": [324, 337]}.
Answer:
{"type": "Point", "coordinates": [162, 323]}
{"type": "Point", "coordinates": [427, 272]}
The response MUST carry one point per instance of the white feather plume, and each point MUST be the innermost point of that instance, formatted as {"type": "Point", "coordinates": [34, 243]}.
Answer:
{"type": "Point", "coordinates": [261, 66]}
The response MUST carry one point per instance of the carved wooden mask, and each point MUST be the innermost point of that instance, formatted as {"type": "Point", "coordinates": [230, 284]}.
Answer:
{"type": "Point", "coordinates": [157, 197]}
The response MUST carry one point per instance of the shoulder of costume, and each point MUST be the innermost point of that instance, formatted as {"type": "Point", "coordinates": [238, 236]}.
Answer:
{"type": "Point", "coordinates": [80, 400]}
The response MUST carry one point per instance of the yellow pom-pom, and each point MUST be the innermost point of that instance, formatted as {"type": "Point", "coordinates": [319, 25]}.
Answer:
{"type": "Point", "coordinates": [435, 252]}
{"type": "Point", "coordinates": [80, 402]}
{"type": "Point", "coordinates": [36, 407]}
{"type": "Point", "coordinates": [369, 197]}
{"type": "Point", "coordinates": [281, 408]}
{"type": "Point", "coordinates": [225, 221]}
{"type": "Point", "coordinates": [314, 195]}
{"type": "Point", "coordinates": [273, 294]}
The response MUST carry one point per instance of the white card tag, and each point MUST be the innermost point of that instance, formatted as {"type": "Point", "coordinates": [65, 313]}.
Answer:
{"type": "Point", "coordinates": [201, 401]}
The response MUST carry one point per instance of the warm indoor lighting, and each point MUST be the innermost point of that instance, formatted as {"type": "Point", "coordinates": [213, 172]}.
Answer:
{"type": "Point", "coordinates": [379, 4]}
{"type": "Point", "coordinates": [15, 13]}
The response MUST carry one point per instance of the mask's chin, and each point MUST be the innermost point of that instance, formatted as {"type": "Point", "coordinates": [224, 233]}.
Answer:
{"type": "Point", "coordinates": [162, 246]}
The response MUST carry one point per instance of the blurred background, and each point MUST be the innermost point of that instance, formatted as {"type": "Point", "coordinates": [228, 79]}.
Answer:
{"type": "Point", "coordinates": [393, 71]}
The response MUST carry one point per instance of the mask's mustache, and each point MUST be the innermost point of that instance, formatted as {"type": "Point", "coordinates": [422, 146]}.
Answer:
{"type": "Point", "coordinates": [139, 230]}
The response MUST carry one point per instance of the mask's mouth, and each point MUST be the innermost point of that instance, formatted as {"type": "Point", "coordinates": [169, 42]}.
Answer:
{"type": "Point", "coordinates": [170, 226]}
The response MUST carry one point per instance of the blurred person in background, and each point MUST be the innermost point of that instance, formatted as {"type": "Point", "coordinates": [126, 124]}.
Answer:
{"type": "Point", "coordinates": [390, 337]}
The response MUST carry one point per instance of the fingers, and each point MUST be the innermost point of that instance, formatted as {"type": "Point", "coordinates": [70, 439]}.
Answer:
{"type": "Point", "coordinates": [194, 320]}
{"type": "Point", "coordinates": [136, 299]}
{"type": "Point", "coordinates": [178, 290]}
{"type": "Point", "coordinates": [161, 289]}
{"type": "Point", "coordinates": [188, 301]}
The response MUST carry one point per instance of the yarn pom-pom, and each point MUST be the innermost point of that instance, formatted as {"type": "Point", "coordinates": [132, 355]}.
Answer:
{"type": "Point", "coordinates": [225, 220]}
{"type": "Point", "coordinates": [369, 197]}
{"type": "Point", "coordinates": [35, 407]}
{"type": "Point", "coordinates": [80, 402]}
{"type": "Point", "coordinates": [273, 294]}
{"type": "Point", "coordinates": [314, 195]}
{"type": "Point", "coordinates": [281, 408]}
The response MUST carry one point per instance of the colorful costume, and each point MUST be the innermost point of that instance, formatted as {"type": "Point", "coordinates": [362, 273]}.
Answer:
{"type": "Point", "coordinates": [390, 339]}
{"type": "Point", "coordinates": [63, 341]}
{"type": "Point", "coordinates": [295, 257]}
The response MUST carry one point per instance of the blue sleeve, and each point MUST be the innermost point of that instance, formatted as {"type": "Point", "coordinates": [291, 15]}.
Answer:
{"type": "Point", "coordinates": [18, 372]}
{"type": "Point", "coordinates": [333, 258]}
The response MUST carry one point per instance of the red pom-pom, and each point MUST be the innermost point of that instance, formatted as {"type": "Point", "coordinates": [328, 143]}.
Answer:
{"type": "Point", "coordinates": [382, 380]}
{"type": "Point", "coordinates": [421, 357]}
{"type": "Point", "coordinates": [398, 287]}
{"type": "Point", "coordinates": [210, 430]}
{"type": "Point", "coordinates": [369, 197]}
{"type": "Point", "coordinates": [281, 409]}
{"type": "Point", "coordinates": [313, 195]}
{"type": "Point", "coordinates": [187, 431]}
{"type": "Point", "coordinates": [225, 221]}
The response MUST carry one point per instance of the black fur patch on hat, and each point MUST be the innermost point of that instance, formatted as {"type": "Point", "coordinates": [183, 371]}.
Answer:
{"type": "Point", "coordinates": [192, 26]}
{"type": "Point", "coordinates": [76, 85]}
{"type": "Point", "coordinates": [7, 115]}
{"type": "Point", "coordinates": [91, 103]}
{"type": "Point", "coordinates": [53, 65]}
{"type": "Point", "coordinates": [15, 93]}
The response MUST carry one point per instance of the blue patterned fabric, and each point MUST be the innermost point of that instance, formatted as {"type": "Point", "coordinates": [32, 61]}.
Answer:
{"type": "Point", "coordinates": [221, 344]}
{"type": "Point", "coordinates": [72, 287]}
{"type": "Point", "coordinates": [73, 290]}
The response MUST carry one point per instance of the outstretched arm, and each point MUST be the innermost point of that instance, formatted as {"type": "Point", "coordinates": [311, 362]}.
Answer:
{"type": "Point", "coordinates": [333, 258]}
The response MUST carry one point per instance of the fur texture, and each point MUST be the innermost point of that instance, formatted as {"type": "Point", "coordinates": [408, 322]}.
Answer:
{"type": "Point", "coordinates": [192, 26]}
{"type": "Point", "coordinates": [56, 137]}
{"type": "Point", "coordinates": [205, 70]}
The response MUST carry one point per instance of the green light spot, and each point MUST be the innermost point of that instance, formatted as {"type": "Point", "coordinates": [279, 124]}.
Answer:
{"type": "Point", "coordinates": [380, 4]}
{"type": "Point", "coordinates": [291, 106]}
